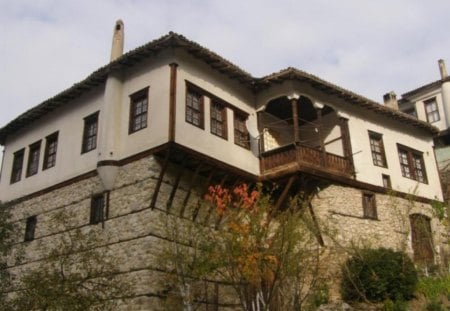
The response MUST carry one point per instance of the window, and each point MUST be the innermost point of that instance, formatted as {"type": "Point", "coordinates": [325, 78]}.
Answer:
{"type": "Point", "coordinates": [90, 133]}
{"type": "Point", "coordinates": [33, 158]}
{"type": "Point", "coordinates": [138, 110]}
{"type": "Point", "coordinates": [411, 164]}
{"type": "Point", "coordinates": [194, 108]}
{"type": "Point", "coordinates": [218, 119]}
{"type": "Point", "coordinates": [30, 228]}
{"type": "Point", "coordinates": [17, 166]}
{"type": "Point", "coordinates": [431, 109]}
{"type": "Point", "coordinates": [51, 146]}
{"type": "Point", "coordinates": [241, 136]}
{"type": "Point", "coordinates": [97, 204]}
{"type": "Point", "coordinates": [386, 181]}
{"type": "Point", "coordinates": [377, 148]}
{"type": "Point", "coordinates": [369, 205]}
{"type": "Point", "coordinates": [421, 238]}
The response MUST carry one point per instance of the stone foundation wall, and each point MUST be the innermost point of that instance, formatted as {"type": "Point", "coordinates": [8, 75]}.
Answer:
{"type": "Point", "coordinates": [134, 234]}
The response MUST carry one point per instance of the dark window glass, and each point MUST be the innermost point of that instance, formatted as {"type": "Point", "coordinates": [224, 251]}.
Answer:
{"type": "Point", "coordinates": [90, 133]}
{"type": "Point", "coordinates": [432, 111]}
{"type": "Point", "coordinates": [194, 108]}
{"type": "Point", "coordinates": [241, 136]}
{"type": "Point", "coordinates": [386, 181]}
{"type": "Point", "coordinates": [51, 146]}
{"type": "Point", "coordinates": [369, 206]}
{"type": "Point", "coordinates": [377, 148]}
{"type": "Point", "coordinates": [218, 119]}
{"type": "Point", "coordinates": [138, 110]}
{"type": "Point", "coordinates": [30, 228]}
{"type": "Point", "coordinates": [16, 173]}
{"type": "Point", "coordinates": [97, 206]}
{"type": "Point", "coordinates": [33, 159]}
{"type": "Point", "coordinates": [411, 164]}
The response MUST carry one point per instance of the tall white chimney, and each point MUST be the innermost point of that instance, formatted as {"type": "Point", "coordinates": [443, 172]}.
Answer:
{"type": "Point", "coordinates": [442, 69]}
{"type": "Point", "coordinates": [117, 41]}
{"type": "Point", "coordinates": [390, 100]}
{"type": "Point", "coordinates": [110, 128]}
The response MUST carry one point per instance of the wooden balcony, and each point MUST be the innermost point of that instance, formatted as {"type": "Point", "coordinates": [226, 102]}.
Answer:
{"type": "Point", "coordinates": [292, 158]}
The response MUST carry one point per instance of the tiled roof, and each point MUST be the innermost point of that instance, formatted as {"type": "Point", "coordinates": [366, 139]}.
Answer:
{"type": "Point", "coordinates": [425, 88]}
{"type": "Point", "coordinates": [173, 40]}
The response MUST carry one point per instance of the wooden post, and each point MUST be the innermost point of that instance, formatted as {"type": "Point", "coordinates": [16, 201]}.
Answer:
{"type": "Point", "coordinates": [295, 119]}
{"type": "Point", "coordinates": [172, 101]}
{"type": "Point", "coordinates": [323, 155]}
{"type": "Point", "coordinates": [346, 144]}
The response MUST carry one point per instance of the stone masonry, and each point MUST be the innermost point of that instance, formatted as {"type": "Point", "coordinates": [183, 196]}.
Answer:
{"type": "Point", "coordinates": [134, 233]}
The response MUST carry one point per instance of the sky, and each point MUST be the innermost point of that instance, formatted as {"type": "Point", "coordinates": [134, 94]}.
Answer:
{"type": "Point", "coordinates": [369, 47]}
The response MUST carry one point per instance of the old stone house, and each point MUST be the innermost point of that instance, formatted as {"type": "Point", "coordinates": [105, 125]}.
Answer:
{"type": "Point", "coordinates": [149, 131]}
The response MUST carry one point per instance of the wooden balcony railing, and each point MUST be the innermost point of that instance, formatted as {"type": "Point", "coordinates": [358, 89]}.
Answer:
{"type": "Point", "coordinates": [306, 157]}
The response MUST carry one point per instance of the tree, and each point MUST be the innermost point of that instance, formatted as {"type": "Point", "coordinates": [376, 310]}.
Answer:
{"type": "Point", "coordinates": [184, 258]}
{"type": "Point", "coordinates": [271, 258]}
{"type": "Point", "coordinates": [75, 274]}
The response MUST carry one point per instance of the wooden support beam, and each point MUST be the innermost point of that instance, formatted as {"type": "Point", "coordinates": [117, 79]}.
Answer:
{"type": "Point", "coordinates": [316, 228]}
{"type": "Point", "coordinates": [160, 179]}
{"type": "Point", "coordinates": [200, 200]}
{"type": "Point", "coordinates": [284, 194]}
{"type": "Point", "coordinates": [175, 185]}
{"type": "Point", "coordinates": [191, 186]}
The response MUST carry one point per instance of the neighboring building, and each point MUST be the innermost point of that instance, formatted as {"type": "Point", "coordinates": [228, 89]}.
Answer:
{"type": "Point", "coordinates": [148, 133]}
{"type": "Point", "coordinates": [431, 103]}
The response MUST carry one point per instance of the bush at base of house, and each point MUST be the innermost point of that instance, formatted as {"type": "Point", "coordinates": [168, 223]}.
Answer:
{"type": "Point", "coordinates": [378, 274]}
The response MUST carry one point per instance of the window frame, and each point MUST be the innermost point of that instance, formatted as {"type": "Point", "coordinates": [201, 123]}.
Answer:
{"type": "Point", "coordinates": [34, 155]}
{"type": "Point", "coordinates": [378, 156]}
{"type": "Point", "coordinates": [369, 205]}
{"type": "Point", "coordinates": [30, 228]}
{"type": "Point", "coordinates": [89, 140]}
{"type": "Point", "coordinates": [422, 238]}
{"type": "Point", "coordinates": [191, 111]}
{"type": "Point", "coordinates": [215, 122]}
{"type": "Point", "coordinates": [17, 168]}
{"type": "Point", "coordinates": [408, 159]}
{"type": "Point", "coordinates": [140, 115]}
{"type": "Point", "coordinates": [241, 134]}
{"type": "Point", "coordinates": [434, 113]}
{"type": "Point", "coordinates": [97, 209]}
{"type": "Point", "coordinates": [51, 149]}
{"type": "Point", "coordinates": [386, 181]}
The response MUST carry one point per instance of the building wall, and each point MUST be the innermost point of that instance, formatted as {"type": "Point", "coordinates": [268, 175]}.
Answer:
{"type": "Point", "coordinates": [156, 76]}
{"type": "Point", "coordinates": [420, 107]}
{"type": "Point", "coordinates": [366, 171]}
{"type": "Point", "coordinates": [202, 140]}
{"type": "Point", "coordinates": [134, 233]}
{"type": "Point", "coordinates": [68, 121]}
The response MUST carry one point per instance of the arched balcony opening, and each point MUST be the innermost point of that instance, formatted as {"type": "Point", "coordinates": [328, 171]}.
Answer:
{"type": "Point", "coordinates": [298, 132]}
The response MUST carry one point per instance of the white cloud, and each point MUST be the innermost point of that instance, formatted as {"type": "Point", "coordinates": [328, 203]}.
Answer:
{"type": "Point", "coordinates": [369, 47]}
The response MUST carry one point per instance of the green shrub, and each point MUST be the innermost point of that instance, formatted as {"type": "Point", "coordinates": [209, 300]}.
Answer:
{"type": "Point", "coordinates": [398, 305]}
{"type": "Point", "coordinates": [434, 287]}
{"type": "Point", "coordinates": [377, 275]}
